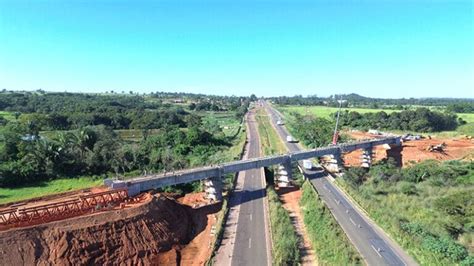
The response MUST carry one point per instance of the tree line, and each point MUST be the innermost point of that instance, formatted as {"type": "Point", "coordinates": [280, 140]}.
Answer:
{"type": "Point", "coordinates": [313, 131]}
{"type": "Point", "coordinates": [26, 156]}
{"type": "Point", "coordinates": [67, 111]}
{"type": "Point", "coordinates": [419, 120]}
{"type": "Point", "coordinates": [355, 100]}
{"type": "Point", "coordinates": [180, 138]}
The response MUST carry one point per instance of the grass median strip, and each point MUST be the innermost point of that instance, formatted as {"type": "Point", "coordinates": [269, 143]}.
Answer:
{"type": "Point", "coordinates": [327, 238]}
{"type": "Point", "coordinates": [270, 141]}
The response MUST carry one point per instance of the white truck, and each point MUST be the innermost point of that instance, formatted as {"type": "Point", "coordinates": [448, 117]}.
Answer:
{"type": "Point", "coordinates": [290, 139]}
{"type": "Point", "coordinates": [307, 164]}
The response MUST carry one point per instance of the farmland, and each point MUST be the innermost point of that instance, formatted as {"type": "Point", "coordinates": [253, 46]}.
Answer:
{"type": "Point", "coordinates": [326, 112]}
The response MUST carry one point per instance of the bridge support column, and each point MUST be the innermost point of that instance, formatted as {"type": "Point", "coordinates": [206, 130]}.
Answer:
{"type": "Point", "coordinates": [283, 176]}
{"type": "Point", "coordinates": [367, 157]}
{"type": "Point", "coordinates": [334, 163]}
{"type": "Point", "coordinates": [213, 188]}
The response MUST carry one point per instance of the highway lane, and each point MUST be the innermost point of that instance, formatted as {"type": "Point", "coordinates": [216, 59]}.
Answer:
{"type": "Point", "coordinates": [251, 240]}
{"type": "Point", "coordinates": [374, 246]}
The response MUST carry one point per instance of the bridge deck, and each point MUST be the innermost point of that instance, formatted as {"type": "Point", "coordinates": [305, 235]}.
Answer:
{"type": "Point", "coordinates": [189, 175]}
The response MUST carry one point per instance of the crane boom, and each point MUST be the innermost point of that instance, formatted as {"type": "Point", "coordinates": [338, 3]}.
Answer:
{"type": "Point", "coordinates": [335, 137]}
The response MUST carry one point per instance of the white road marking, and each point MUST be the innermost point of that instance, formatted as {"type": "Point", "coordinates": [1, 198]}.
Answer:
{"type": "Point", "coordinates": [250, 242]}
{"type": "Point", "coordinates": [352, 221]}
{"type": "Point", "coordinates": [250, 217]}
{"type": "Point", "coordinates": [377, 251]}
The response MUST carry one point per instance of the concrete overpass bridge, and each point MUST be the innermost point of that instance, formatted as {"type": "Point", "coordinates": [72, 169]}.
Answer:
{"type": "Point", "coordinates": [212, 174]}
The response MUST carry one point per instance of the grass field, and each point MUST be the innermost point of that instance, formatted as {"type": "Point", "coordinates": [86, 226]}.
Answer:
{"type": "Point", "coordinates": [467, 117]}
{"type": "Point", "coordinates": [47, 188]}
{"type": "Point", "coordinates": [324, 111]}
{"type": "Point", "coordinates": [7, 115]}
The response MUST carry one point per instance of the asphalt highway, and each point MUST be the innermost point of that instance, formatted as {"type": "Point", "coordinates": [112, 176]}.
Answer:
{"type": "Point", "coordinates": [373, 245]}
{"type": "Point", "coordinates": [250, 246]}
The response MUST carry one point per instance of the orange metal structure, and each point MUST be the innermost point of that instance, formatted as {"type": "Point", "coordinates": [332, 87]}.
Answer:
{"type": "Point", "coordinates": [15, 217]}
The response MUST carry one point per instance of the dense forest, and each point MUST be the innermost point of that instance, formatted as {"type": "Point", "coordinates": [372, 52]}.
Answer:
{"type": "Point", "coordinates": [355, 100]}
{"type": "Point", "coordinates": [85, 143]}
{"type": "Point", "coordinates": [419, 120]}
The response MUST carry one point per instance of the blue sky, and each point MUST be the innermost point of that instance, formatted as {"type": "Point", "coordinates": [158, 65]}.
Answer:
{"type": "Point", "coordinates": [374, 48]}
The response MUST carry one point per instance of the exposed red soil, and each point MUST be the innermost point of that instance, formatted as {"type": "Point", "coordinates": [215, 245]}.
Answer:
{"type": "Point", "coordinates": [204, 217]}
{"type": "Point", "coordinates": [416, 150]}
{"type": "Point", "coordinates": [157, 231]}
{"type": "Point", "coordinates": [290, 198]}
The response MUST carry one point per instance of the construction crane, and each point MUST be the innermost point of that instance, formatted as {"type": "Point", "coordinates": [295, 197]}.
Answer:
{"type": "Point", "coordinates": [335, 137]}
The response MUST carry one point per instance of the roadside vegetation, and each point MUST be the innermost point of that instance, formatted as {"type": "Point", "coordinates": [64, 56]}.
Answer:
{"type": "Point", "coordinates": [327, 238]}
{"type": "Point", "coordinates": [68, 136]}
{"type": "Point", "coordinates": [285, 241]}
{"type": "Point", "coordinates": [427, 207]}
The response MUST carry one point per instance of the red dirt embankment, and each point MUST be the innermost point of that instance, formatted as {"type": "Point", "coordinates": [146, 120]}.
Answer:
{"type": "Point", "coordinates": [130, 236]}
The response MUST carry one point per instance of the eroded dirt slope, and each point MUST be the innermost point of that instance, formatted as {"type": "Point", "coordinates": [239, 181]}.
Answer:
{"type": "Point", "coordinates": [130, 236]}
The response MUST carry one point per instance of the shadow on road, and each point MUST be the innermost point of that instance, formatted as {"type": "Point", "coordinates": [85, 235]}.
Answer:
{"type": "Point", "coordinates": [315, 174]}
{"type": "Point", "coordinates": [246, 196]}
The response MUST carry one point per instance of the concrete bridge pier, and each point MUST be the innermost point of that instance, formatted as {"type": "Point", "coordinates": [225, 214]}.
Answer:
{"type": "Point", "coordinates": [334, 162]}
{"type": "Point", "coordinates": [283, 176]}
{"type": "Point", "coordinates": [367, 157]}
{"type": "Point", "coordinates": [213, 188]}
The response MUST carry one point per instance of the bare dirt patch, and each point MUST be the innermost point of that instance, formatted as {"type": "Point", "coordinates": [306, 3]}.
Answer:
{"type": "Point", "coordinates": [290, 198]}
{"type": "Point", "coordinates": [416, 150]}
